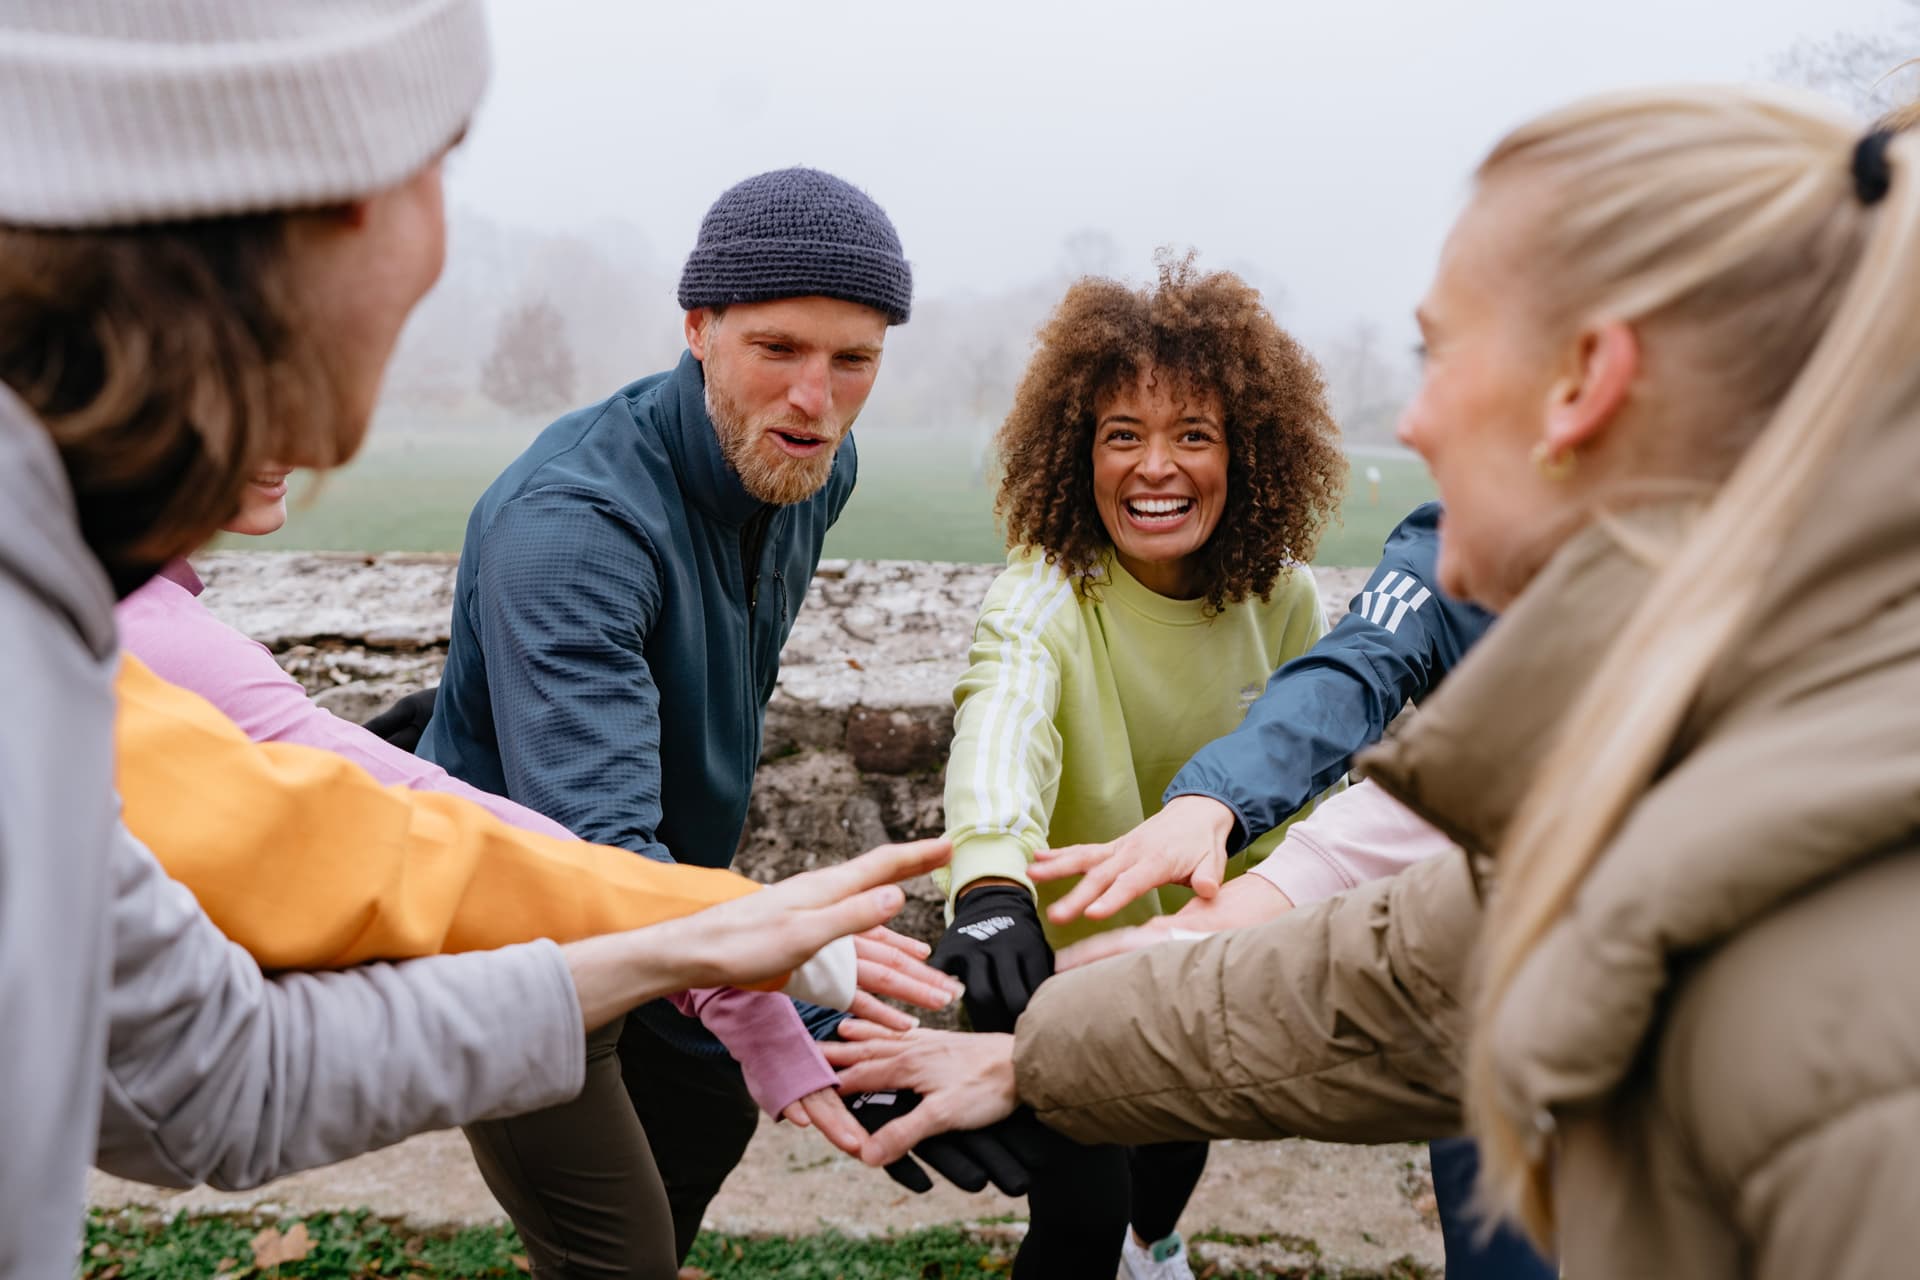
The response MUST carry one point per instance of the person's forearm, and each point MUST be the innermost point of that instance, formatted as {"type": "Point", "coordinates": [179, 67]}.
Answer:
{"type": "Point", "coordinates": [621, 971]}
{"type": "Point", "coordinates": [1342, 1021]}
{"type": "Point", "coordinates": [304, 859]}
{"type": "Point", "coordinates": [216, 1073]}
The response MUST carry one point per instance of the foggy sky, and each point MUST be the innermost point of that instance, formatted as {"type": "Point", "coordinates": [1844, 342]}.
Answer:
{"type": "Point", "coordinates": [1321, 148]}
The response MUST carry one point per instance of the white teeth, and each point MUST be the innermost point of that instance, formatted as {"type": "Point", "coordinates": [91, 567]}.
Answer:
{"type": "Point", "coordinates": [1159, 506]}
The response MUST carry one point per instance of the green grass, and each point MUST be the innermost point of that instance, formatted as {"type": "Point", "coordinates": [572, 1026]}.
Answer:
{"type": "Point", "coordinates": [921, 497]}
{"type": "Point", "coordinates": [138, 1244]}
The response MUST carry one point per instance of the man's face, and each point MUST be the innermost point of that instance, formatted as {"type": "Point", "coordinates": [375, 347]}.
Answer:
{"type": "Point", "coordinates": [785, 380]}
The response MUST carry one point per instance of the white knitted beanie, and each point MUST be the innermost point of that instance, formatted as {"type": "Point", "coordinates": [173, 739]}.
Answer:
{"type": "Point", "coordinates": [115, 112]}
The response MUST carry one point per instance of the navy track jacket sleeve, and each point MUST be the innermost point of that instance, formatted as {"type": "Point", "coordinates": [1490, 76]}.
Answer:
{"type": "Point", "coordinates": [1399, 638]}
{"type": "Point", "coordinates": [567, 590]}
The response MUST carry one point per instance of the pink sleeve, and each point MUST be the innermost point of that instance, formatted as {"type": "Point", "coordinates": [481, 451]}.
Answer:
{"type": "Point", "coordinates": [1359, 835]}
{"type": "Point", "coordinates": [763, 1032]}
{"type": "Point", "coordinates": [167, 628]}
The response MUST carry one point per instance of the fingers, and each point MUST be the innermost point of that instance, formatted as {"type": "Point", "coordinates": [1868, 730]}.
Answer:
{"type": "Point", "coordinates": [885, 1015]}
{"type": "Point", "coordinates": [1206, 877]}
{"type": "Point", "coordinates": [886, 937]}
{"type": "Point", "coordinates": [897, 1137]}
{"type": "Point", "coordinates": [1092, 885]}
{"type": "Point", "coordinates": [796, 1115]}
{"type": "Point", "coordinates": [888, 864]}
{"type": "Point", "coordinates": [856, 1028]}
{"type": "Point", "coordinates": [1101, 946]}
{"type": "Point", "coordinates": [887, 971]}
{"type": "Point", "coordinates": [1069, 860]}
{"type": "Point", "coordinates": [880, 1076]}
{"type": "Point", "coordinates": [984, 1149]}
{"type": "Point", "coordinates": [954, 1160]}
{"type": "Point", "coordinates": [1140, 878]}
{"type": "Point", "coordinates": [836, 1124]}
{"type": "Point", "coordinates": [820, 925]}
{"type": "Point", "coordinates": [908, 1173]}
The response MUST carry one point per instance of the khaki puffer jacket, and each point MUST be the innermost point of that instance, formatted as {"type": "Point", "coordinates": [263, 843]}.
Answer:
{"type": "Point", "coordinates": [1721, 1041]}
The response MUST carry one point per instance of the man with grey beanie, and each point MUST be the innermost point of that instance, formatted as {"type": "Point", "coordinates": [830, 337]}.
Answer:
{"type": "Point", "coordinates": [215, 216]}
{"type": "Point", "coordinates": [624, 592]}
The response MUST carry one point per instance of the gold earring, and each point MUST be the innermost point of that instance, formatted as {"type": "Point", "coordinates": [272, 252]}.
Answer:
{"type": "Point", "coordinates": [1555, 464]}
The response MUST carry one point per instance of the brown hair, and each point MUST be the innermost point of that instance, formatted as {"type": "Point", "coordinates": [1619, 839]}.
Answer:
{"type": "Point", "coordinates": [169, 365]}
{"type": "Point", "coordinates": [1285, 471]}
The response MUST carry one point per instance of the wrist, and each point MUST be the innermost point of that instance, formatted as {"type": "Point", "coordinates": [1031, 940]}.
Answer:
{"type": "Point", "coordinates": [616, 972]}
{"type": "Point", "coordinates": [1212, 815]}
{"type": "Point", "coordinates": [988, 882]}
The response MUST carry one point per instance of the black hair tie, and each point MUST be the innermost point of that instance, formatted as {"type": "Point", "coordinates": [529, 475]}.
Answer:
{"type": "Point", "coordinates": [1871, 177]}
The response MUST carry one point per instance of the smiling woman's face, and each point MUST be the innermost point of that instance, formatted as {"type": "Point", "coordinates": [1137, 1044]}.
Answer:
{"type": "Point", "coordinates": [263, 504]}
{"type": "Point", "coordinates": [1160, 478]}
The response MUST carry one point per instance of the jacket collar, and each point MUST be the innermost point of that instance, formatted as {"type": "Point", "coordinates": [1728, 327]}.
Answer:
{"type": "Point", "coordinates": [182, 575]}
{"type": "Point", "coordinates": [1465, 759]}
{"type": "Point", "coordinates": [704, 474]}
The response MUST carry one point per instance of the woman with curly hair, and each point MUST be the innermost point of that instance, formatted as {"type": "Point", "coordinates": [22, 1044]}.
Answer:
{"type": "Point", "coordinates": [1168, 467]}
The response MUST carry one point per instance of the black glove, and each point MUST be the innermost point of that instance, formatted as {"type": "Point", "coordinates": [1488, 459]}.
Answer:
{"type": "Point", "coordinates": [995, 946]}
{"type": "Point", "coordinates": [969, 1159]}
{"type": "Point", "coordinates": [402, 723]}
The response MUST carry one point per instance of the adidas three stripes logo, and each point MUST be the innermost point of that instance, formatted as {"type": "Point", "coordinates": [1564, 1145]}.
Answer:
{"type": "Point", "coordinates": [981, 930]}
{"type": "Point", "coordinates": [1390, 600]}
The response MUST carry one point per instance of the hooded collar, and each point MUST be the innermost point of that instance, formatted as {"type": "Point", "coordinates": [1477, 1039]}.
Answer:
{"type": "Point", "coordinates": [704, 473]}
{"type": "Point", "coordinates": [41, 547]}
{"type": "Point", "coordinates": [182, 575]}
{"type": "Point", "coordinates": [1465, 760]}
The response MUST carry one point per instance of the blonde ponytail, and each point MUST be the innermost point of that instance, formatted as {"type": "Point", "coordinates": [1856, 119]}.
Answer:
{"type": "Point", "coordinates": [1709, 253]}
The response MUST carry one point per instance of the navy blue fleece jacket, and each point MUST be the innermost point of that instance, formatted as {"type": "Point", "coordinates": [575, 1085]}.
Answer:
{"type": "Point", "coordinates": [618, 618]}
{"type": "Point", "coordinates": [1400, 637]}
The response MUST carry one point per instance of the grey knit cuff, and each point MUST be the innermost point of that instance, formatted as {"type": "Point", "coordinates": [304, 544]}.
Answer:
{"type": "Point", "coordinates": [130, 113]}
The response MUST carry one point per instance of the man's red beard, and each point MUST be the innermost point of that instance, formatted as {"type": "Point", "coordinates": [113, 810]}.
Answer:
{"type": "Point", "coordinates": [766, 473]}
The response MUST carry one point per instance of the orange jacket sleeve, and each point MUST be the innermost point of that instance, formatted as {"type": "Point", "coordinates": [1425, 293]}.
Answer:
{"type": "Point", "coordinates": [307, 862]}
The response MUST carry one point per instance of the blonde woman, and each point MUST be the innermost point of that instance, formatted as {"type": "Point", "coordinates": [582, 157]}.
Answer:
{"type": "Point", "coordinates": [1672, 403]}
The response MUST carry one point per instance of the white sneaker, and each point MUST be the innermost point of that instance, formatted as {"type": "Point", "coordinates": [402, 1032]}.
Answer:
{"type": "Point", "coordinates": [1161, 1260]}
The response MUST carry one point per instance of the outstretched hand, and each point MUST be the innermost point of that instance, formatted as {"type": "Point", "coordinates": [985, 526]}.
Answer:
{"type": "Point", "coordinates": [997, 948]}
{"type": "Point", "coordinates": [965, 1081]}
{"type": "Point", "coordinates": [1184, 843]}
{"type": "Point", "coordinates": [750, 939]}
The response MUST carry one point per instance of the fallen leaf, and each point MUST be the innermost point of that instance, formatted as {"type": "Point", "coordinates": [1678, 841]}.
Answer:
{"type": "Point", "coordinates": [271, 1247]}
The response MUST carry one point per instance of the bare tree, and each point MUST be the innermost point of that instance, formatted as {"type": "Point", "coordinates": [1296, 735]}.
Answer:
{"type": "Point", "coordinates": [1866, 71]}
{"type": "Point", "coordinates": [531, 367]}
{"type": "Point", "coordinates": [1367, 383]}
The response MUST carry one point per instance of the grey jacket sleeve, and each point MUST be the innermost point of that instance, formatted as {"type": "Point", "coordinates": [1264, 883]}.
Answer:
{"type": "Point", "coordinates": [1343, 1021]}
{"type": "Point", "coordinates": [217, 1073]}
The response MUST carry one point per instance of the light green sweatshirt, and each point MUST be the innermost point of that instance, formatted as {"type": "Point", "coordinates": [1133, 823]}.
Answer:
{"type": "Point", "coordinates": [1075, 714]}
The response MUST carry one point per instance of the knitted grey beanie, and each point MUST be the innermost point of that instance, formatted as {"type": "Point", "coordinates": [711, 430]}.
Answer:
{"type": "Point", "coordinates": [794, 233]}
{"type": "Point", "coordinates": [118, 113]}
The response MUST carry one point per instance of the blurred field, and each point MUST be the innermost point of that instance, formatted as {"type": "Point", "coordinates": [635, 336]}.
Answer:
{"type": "Point", "coordinates": [922, 496]}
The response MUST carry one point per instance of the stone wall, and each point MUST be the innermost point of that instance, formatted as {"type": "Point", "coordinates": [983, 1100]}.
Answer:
{"type": "Point", "coordinates": [856, 735]}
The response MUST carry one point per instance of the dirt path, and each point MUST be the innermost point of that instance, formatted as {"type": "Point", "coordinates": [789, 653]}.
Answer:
{"type": "Point", "coordinates": [1354, 1208]}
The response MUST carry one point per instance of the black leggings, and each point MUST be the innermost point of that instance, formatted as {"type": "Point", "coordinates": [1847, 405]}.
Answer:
{"type": "Point", "coordinates": [1084, 1199]}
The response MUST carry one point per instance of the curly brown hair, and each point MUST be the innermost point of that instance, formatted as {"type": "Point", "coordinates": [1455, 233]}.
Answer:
{"type": "Point", "coordinates": [1285, 470]}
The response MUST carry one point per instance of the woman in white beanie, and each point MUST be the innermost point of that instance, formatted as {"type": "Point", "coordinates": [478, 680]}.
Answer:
{"type": "Point", "coordinates": [215, 216]}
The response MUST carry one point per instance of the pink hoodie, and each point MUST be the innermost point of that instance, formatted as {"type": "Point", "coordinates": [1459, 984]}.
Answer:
{"type": "Point", "coordinates": [165, 625]}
